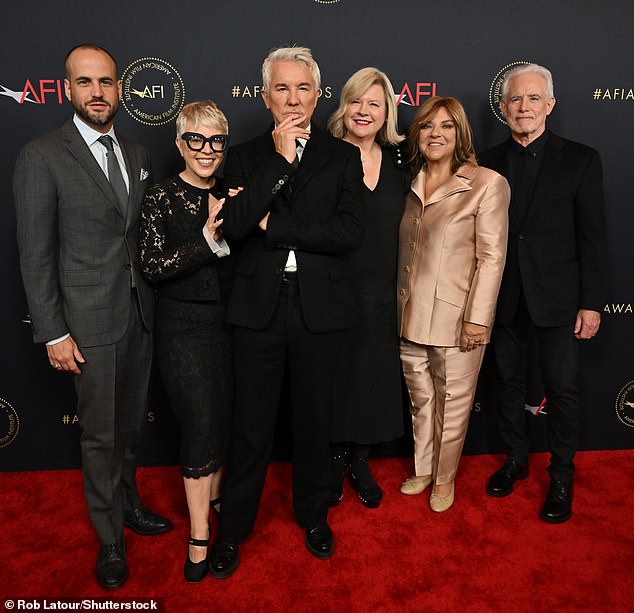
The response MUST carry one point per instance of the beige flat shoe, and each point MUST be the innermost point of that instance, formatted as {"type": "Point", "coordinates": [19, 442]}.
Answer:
{"type": "Point", "coordinates": [415, 485]}
{"type": "Point", "coordinates": [442, 503]}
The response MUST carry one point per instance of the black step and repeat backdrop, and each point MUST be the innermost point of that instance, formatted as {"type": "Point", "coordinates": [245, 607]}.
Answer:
{"type": "Point", "coordinates": [170, 53]}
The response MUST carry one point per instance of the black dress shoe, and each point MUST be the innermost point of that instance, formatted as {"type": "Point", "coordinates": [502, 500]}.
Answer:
{"type": "Point", "coordinates": [224, 559]}
{"type": "Point", "coordinates": [501, 483]}
{"type": "Point", "coordinates": [363, 482]}
{"type": "Point", "coordinates": [111, 571]}
{"type": "Point", "coordinates": [146, 523]}
{"type": "Point", "coordinates": [558, 504]}
{"type": "Point", "coordinates": [320, 542]}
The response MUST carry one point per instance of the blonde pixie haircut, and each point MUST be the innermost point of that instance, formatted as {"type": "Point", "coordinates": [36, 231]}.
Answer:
{"type": "Point", "coordinates": [204, 113]}
{"type": "Point", "coordinates": [355, 86]}
{"type": "Point", "coordinates": [463, 153]}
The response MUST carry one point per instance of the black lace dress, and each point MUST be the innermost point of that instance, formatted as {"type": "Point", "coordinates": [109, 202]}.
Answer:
{"type": "Point", "coordinates": [192, 341]}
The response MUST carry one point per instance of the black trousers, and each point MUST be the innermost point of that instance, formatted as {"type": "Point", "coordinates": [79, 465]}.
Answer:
{"type": "Point", "coordinates": [261, 358]}
{"type": "Point", "coordinates": [558, 362]}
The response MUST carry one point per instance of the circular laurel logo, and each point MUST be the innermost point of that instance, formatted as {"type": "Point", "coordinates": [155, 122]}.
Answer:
{"type": "Point", "coordinates": [9, 423]}
{"type": "Point", "coordinates": [327, 1]}
{"type": "Point", "coordinates": [625, 404]}
{"type": "Point", "coordinates": [495, 91]}
{"type": "Point", "coordinates": [153, 91]}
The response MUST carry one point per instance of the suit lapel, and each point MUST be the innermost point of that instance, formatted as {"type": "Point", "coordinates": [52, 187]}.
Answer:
{"type": "Point", "coordinates": [314, 157]}
{"type": "Point", "coordinates": [458, 182]}
{"type": "Point", "coordinates": [79, 150]}
{"type": "Point", "coordinates": [550, 170]}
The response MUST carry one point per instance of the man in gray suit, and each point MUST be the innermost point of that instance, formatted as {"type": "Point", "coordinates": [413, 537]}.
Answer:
{"type": "Point", "coordinates": [78, 192]}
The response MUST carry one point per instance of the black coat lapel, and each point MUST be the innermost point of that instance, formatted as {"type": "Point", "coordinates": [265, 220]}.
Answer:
{"type": "Point", "coordinates": [313, 158]}
{"type": "Point", "coordinates": [550, 170]}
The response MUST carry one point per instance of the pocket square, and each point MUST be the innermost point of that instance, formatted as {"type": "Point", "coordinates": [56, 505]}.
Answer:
{"type": "Point", "coordinates": [144, 174]}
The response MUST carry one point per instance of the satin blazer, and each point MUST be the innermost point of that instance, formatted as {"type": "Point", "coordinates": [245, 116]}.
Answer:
{"type": "Point", "coordinates": [77, 250]}
{"type": "Point", "coordinates": [452, 248]}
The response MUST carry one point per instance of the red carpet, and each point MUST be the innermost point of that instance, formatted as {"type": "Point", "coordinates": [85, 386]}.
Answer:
{"type": "Point", "coordinates": [484, 554]}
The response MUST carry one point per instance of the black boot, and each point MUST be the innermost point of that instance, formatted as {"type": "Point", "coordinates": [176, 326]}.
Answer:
{"type": "Point", "coordinates": [363, 482]}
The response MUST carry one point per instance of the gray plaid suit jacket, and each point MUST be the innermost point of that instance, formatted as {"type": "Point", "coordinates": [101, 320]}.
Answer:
{"type": "Point", "coordinates": [77, 251]}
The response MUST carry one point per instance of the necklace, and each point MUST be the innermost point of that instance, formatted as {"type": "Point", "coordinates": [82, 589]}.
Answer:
{"type": "Point", "coordinates": [364, 157]}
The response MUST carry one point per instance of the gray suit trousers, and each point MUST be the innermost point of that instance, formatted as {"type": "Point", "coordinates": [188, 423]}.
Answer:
{"type": "Point", "coordinates": [111, 406]}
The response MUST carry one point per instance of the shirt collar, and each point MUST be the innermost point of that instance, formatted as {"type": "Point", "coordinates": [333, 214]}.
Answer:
{"type": "Point", "coordinates": [90, 135]}
{"type": "Point", "coordinates": [535, 147]}
{"type": "Point", "coordinates": [303, 141]}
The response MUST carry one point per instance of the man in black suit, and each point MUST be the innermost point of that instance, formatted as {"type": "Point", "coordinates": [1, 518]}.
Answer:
{"type": "Point", "coordinates": [78, 193]}
{"type": "Point", "coordinates": [299, 215]}
{"type": "Point", "coordinates": [553, 282]}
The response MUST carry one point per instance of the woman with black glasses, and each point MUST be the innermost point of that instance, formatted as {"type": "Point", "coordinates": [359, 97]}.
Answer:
{"type": "Point", "coordinates": [184, 254]}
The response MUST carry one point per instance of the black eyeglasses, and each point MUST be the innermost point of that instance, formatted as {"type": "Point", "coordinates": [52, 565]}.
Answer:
{"type": "Point", "coordinates": [196, 142]}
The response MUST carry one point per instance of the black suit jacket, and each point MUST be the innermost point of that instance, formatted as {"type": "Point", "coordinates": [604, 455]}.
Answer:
{"type": "Point", "coordinates": [557, 255]}
{"type": "Point", "coordinates": [319, 215]}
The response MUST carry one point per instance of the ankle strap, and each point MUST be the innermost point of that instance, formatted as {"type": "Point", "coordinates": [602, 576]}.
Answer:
{"type": "Point", "coordinates": [198, 542]}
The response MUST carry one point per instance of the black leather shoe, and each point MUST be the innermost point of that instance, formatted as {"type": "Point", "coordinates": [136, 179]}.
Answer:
{"type": "Point", "coordinates": [146, 523]}
{"type": "Point", "coordinates": [363, 482]}
{"type": "Point", "coordinates": [558, 504]}
{"type": "Point", "coordinates": [224, 559]}
{"type": "Point", "coordinates": [112, 571]}
{"type": "Point", "coordinates": [501, 483]}
{"type": "Point", "coordinates": [320, 542]}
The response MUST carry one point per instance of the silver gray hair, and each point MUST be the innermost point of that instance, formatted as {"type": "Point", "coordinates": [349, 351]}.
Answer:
{"type": "Point", "coordinates": [529, 69]}
{"type": "Point", "coordinates": [301, 55]}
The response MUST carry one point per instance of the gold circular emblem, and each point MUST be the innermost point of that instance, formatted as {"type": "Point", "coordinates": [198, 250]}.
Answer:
{"type": "Point", "coordinates": [10, 423]}
{"type": "Point", "coordinates": [625, 404]}
{"type": "Point", "coordinates": [153, 91]}
{"type": "Point", "coordinates": [495, 91]}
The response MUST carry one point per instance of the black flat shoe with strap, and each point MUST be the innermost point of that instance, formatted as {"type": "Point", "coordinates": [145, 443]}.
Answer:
{"type": "Point", "coordinates": [196, 571]}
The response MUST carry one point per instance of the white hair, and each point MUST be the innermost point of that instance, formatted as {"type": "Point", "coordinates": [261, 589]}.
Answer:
{"type": "Point", "coordinates": [301, 55]}
{"type": "Point", "coordinates": [529, 69]}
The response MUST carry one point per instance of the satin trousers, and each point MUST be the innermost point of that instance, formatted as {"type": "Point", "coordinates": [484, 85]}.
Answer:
{"type": "Point", "coordinates": [441, 383]}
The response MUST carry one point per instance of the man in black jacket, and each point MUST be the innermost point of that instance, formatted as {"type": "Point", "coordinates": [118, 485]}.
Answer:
{"type": "Point", "coordinates": [553, 281]}
{"type": "Point", "coordinates": [299, 215]}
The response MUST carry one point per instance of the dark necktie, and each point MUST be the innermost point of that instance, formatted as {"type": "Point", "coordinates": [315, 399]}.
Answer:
{"type": "Point", "coordinates": [299, 149]}
{"type": "Point", "coordinates": [114, 173]}
{"type": "Point", "coordinates": [295, 164]}
{"type": "Point", "coordinates": [523, 184]}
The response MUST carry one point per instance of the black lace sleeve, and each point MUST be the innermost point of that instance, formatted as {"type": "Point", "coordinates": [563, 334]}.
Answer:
{"type": "Point", "coordinates": [171, 241]}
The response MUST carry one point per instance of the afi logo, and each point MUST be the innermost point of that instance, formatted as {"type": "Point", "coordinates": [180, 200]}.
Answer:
{"type": "Point", "coordinates": [151, 92]}
{"type": "Point", "coordinates": [414, 98]}
{"type": "Point", "coordinates": [38, 92]}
